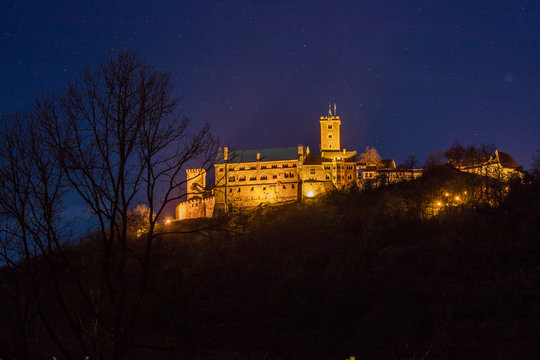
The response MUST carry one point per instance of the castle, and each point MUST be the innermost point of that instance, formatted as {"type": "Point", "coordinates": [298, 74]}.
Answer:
{"type": "Point", "coordinates": [249, 178]}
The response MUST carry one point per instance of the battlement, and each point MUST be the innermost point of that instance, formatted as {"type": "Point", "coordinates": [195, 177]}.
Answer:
{"type": "Point", "coordinates": [195, 208]}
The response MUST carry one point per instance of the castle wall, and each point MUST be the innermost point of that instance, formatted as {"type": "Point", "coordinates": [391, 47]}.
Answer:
{"type": "Point", "coordinates": [249, 184]}
{"type": "Point", "coordinates": [195, 208]}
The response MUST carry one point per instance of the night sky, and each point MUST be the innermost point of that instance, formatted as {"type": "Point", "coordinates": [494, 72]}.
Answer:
{"type": "Point", "coordinates": [408, 77]}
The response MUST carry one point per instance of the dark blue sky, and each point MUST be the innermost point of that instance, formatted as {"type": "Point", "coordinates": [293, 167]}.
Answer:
{"type": "Point", "coordinates": [408, 77]}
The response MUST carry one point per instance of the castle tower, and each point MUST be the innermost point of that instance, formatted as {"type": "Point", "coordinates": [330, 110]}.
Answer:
{"type": "Point", "coordinates": [330, 131]}
{"type": "Point", "coordinates": [196, 183]}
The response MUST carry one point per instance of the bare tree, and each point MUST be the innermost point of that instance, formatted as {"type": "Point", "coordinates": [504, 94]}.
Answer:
{"type": "Point", "coordinates": [120, 142]}
{"type": "Point", "coordinates": [31, 233]}
{"type": "Point", "coordinates": [455, 154]}
{"type": "Point", "coordinates": [370, 156]}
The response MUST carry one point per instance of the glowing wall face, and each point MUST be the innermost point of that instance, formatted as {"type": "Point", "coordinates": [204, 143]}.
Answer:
{"type": "Point", "coordinates": [330, 133]}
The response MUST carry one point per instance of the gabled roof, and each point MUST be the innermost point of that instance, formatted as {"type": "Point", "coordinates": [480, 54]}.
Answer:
{"type": "Point", "coordinates": [312, 160]}
{"type": "Point", "coordinates": [506, 160]}
{"type": "Point", "coordinates": [273, 154]}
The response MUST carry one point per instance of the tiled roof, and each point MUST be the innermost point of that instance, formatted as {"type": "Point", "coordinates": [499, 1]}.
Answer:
{"type": "Point", "coordinates": [312, 160]}
{"type": "Point", "coordinates": [506, 160]}
{"type": "Point", "coordinates": [273, 154]}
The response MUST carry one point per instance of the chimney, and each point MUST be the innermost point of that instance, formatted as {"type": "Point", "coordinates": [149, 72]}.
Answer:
{"type": "Point", "coordinates": [225, 153]}
{"type": "Point", "coordinates": [258, 156]}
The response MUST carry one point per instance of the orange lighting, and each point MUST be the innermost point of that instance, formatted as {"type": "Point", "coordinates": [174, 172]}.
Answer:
{"type": "Point", "coordinates": [457, 198]}
{"type": "Point", "coordinates": [438, 203]}
{"type": "Point", "coordinates": [167, 221]}
{"type": "Point", "coordinates": [446, 194]}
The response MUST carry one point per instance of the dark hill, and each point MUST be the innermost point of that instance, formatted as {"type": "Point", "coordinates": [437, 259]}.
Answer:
{"type": "Point", "coordinates": [373, 274]}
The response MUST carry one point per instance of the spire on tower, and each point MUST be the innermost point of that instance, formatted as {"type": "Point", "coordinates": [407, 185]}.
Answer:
{"type": "Point", "coordinates": [335, 110]}
{"type": "Point", "coordinates": [329, 109]}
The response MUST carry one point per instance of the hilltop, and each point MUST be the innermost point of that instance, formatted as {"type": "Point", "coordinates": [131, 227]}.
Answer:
{"type": "Point", "coordinates": [375, 274]}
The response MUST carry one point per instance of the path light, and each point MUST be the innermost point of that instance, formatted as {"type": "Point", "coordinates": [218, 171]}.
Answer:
{"type": "Point", "coordinates": [446, 194]}
{"type": "Point", "coordinates": [438, 203]}
{"type": "Point", "coordinates": [457, 198]}
{"type": "Point", "coordinates": [167, 221]}
{"type": "Point", "coordinates": [310, 193]}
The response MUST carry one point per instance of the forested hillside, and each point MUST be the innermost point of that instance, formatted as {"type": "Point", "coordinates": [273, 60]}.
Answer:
{"type": "Point", "coordinates": [374, 274]}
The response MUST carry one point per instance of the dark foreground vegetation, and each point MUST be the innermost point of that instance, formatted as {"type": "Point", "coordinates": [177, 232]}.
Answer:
{"type": "Point", "coordinates": [371, 274]}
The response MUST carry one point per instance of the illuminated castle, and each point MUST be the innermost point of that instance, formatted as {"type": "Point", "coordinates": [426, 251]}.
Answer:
{"type": "Point", "coordinates": [248, 178]}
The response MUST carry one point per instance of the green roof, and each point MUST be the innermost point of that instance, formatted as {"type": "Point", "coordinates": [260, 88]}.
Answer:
{"type": "Point", "coordinates": [273, 154]}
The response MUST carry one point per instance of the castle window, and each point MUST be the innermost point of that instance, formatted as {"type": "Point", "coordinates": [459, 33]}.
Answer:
{"type": "Point", "coordinates": [252, 167]}
{"type": "Point", "coordinates": [264, 187]}
{"type": "Point", "coordinates": [274, 166]}
{"type": "Point", "coordinates": [274, 176]}
{"type": "Point", "coordinates": [349, 177]}
{"type": "Point", "coordinates": [329, 126]}
{"type": "Point", "coordinates": [231, 178]}
{"type": "Point", "coordinates": [326, 167]}
{"type": "Point", "coordinates": [293, 165]}
{"type": "Point", "coordinates": [284, 186]}
{"type": "Point", "coordinates": [220, 169]}
{"type": "Point", "coordinates": [285, 165]}
{"type": "Point", "coordinates": [291, 175]}
{"type": "Point", "coordinates": [339, 177]}
{"type": "Point", "coordinates": [242, 178]}
{"type": "Point", "coordinates": [230, 190]}
{"type": "Point", "coordinates": [329, 136]}
{"type": "Point", "coordinates": [292, 186]}
{"type": "Point", "coordinates": [312, 171]}
{"type": "Point", "coordinates": [264, 177]}
{"type": "Point", "coordinates": [286, 175]}
{"type": "Point", "coordinates": [327, 177]}
{"type": "Point", "coordinates": [251, 188]}
{"type": "Point", "coordinates": [329, 146]}
{"type": "Point", "coordinates": [238, 189]}
{"type": "Point", "coordinates": [263, 166]}
{"type": "Point", "coordinates": [252, 177]}
{"type": "Point", "coordinates": [242, 168]}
